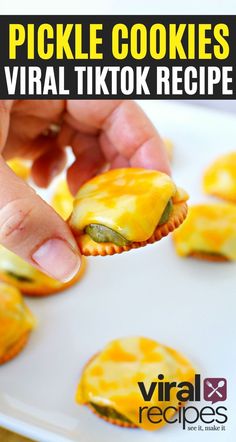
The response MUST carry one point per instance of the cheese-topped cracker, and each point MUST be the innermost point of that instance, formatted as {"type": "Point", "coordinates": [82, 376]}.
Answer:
{"type": "Point", "coordinates": [128, 201]}
{"type": "Point", "coordinates": [210, 229]}
{"type": "Point", "coordinates": [111, 378]}
{"type": "Point", "coordinates": [220, 178]}
{"type": "Point", "coordinates": [16, 320]}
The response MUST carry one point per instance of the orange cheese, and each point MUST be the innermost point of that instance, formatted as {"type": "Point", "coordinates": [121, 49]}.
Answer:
{"type": "Point", "coordinates": [208, 228]}
{"type": "Point", "coordinates": [62, 200]}
{"type": "Point", "coordinates": [20, 167]}
{"type": "Point", "coordinates": [129, 201]}
{"type": "Point", "coordinates": [220, 178]}
{"type": "Point", "coordinates": [111, 377]}
{"type": "Point", "coordinates": [15, 317]}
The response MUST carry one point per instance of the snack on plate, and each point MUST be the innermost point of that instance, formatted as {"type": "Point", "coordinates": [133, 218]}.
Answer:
{"type": "Point", "coordinates": [29, 280]}
{"type": "Point", "coordinates": [208, 233]}
{"type": "Point", "coordinates": [169, 148]}
{"type": "Point", "coordinates": [62, 200]}
{"type": "Point", "coordinates": [220, 177]}
{"type": "Point", "coordinates": [16, 322]}
{"type": "Point", "coordinates": [20, 167]}
{"type": "Point", "coordinates": [109, 382]}
{"type": "Point", "coordinates": [124, 209]}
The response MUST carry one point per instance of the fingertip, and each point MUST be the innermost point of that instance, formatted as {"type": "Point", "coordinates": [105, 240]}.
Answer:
{"type": "Point", "coordinates": [30, 228]}
{"type": "Point", "coordinates": [45, 168]}
{"type": "Point", "coordinates": [118, 162]}
{"type": "Point", "coordinates": [58, 259]}
{"type": "Point", "coordinates": [152, 155]}
{"type": "Point", "coordinates": [76, 176]}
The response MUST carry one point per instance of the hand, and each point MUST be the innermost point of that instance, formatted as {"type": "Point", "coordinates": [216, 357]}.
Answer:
{"type": "Point", "coordinates": [100, 132]}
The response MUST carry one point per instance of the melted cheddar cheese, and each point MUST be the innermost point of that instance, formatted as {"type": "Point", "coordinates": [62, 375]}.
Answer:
{"type": "Point", "coordinates": [208, 228]}
{"type": "Point", "coordinates": [220, 177]}
{"type": "Point", "coordinates": [15, 317]}
{"type": "Point", "coordinates": [111, 377]}
{"type": "Point", "coordinates": [20, 167]}
{"type": "Point", "coordinates": [128, 201]}
{"type": "Point", "coordinates": [62, 200]}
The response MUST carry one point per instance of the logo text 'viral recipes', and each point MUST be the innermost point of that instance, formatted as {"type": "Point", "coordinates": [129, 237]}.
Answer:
{"type": "Point", "coordinates": [162, 392]}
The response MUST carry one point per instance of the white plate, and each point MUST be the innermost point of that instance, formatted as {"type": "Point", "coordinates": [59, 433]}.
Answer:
{"type": "Point", "coordinates": [187, 304]}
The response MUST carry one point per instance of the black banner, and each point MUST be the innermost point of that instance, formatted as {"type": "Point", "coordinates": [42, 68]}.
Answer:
{"type": "Point", "coordinates": [164, 57]}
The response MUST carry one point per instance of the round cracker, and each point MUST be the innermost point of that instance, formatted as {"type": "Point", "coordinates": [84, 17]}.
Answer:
{"type": "Point", "coordinates": [16, 348]}
{"type": "Point", "coordinates": [88, 247]}
{"type": "Point", "coordinates": [112, 421]}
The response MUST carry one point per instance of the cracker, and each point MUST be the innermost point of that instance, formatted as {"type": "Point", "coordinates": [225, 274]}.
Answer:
{"type": "Point", "coordinates": [208, 257]}
{"type": "Point", "coordinates": [88, 247]}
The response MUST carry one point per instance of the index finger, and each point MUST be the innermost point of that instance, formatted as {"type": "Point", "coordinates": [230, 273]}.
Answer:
{"type": "Point", "coordinates": [127, 130]}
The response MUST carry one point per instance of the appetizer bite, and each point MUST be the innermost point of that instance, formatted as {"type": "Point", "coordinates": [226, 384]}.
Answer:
{"type": "Point", "coordinates": [20, 167]}
{"type": "Point", "coordinates": [220, 177]}
{"type": "Point", "coordinates": [208, 233]}
{"type": "Point", "coordinates": [17, 272]}
{"type": "Point", "coordinates": [124, 209]}
{"type": "Point", "coordinates": [62, 200]}
{"type": "Point", "coordinates": [109, 382]}
{"type": "Point", "coordinates": [16, 322]}
{"type": "Point", "coordinates": [169, 148]}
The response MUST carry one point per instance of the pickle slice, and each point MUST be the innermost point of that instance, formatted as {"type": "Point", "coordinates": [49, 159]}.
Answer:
{"type": "Point", "coordinates": [100, 233]}
{"type": "Point", "coordinates": [109, 412]}
{"type": "Point", "coordinates": [20, 278]}
{"type": "Point", "coordinates": [166, 214]}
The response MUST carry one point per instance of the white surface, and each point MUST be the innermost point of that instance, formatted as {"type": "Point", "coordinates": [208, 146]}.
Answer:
{"type": "Point", "coordinates": [187, 304]}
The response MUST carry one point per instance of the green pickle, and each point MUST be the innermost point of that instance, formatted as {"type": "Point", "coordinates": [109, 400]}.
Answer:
{"type": "Point", "coordinates": [20, 278]}
{"type": "Point", "coordinates": [166, 214]}
{"type": "Point", "coordinates": [109, 412]}
{"type": "Point", "coordinates": [100, 233]}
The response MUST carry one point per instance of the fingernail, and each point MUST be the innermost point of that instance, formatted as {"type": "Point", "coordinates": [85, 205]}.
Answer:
{"type": "Point", "coordinates": [58, 259]}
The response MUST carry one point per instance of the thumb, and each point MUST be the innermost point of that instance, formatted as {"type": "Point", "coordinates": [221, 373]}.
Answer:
{"type": "Point", "coordinates": [31, 229]}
